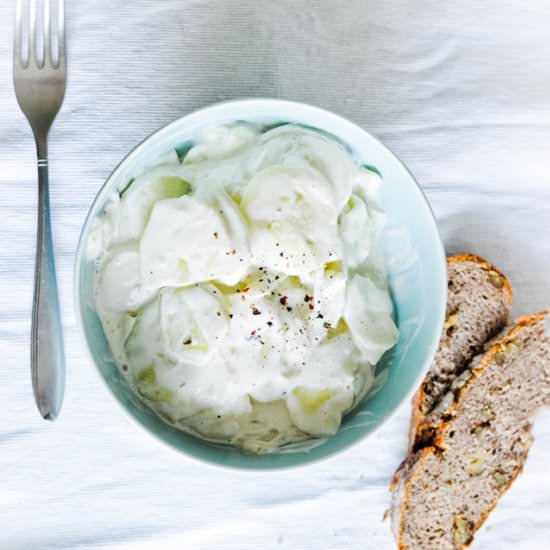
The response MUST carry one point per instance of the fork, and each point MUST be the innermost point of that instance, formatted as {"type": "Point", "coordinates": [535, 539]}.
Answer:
{"type": "Point", "coordinates": [39, 79]}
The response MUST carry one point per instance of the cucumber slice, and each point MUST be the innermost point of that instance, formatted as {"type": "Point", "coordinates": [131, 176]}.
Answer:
{"type": "Point", "coordinates": [340, 328]}
{"type": "Point", "coordinates": [147, 386]}
{"type": "Point", "coordinates": [156, 393]}
{"type": "Point", "coordinates": [172, 187]}
{"type": "Point", "coordinates": [372, 168]}
{"type": "Point", "coordinates": [269, 127]}
{"type": "Point", "coordinates": [312, 400]}
{"type": "Point", "coordinates": [183, 149]}
{"type": "Point", "coordinates": [126, 187]}
{"type": "Point", "coordinates": [147, 376]}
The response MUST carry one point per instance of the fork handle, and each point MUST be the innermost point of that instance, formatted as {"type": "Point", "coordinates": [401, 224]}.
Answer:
{"type": "Point", "coordinates": [47, 358]}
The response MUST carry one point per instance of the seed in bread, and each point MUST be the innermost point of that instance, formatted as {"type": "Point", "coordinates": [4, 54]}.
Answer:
{"type": "Point", "coordinates": [445, 491]}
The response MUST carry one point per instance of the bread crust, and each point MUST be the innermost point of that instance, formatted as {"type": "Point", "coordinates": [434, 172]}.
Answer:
{"type": "Point", "coordinates": [485, 265]}
{"type": "Point", "coordinates": [409, 468]}
{"type": "Point", "coordinates": [486, 360]}
{"type": "Point", "coordinates": [408, 475]}
{"type": "Point", "coordinates": [419, 421]}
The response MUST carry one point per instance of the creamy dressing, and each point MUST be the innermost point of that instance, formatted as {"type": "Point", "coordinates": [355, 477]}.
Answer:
{"type": "Point", "coordinates": [243, 289]}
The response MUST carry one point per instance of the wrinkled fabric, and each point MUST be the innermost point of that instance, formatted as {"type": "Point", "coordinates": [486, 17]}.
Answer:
{"type": "Point", "coordinates": [460, 91]}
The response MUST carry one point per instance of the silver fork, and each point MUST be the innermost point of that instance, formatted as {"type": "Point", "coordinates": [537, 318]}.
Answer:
{"type": "Point", "coordinates": [39, 80]}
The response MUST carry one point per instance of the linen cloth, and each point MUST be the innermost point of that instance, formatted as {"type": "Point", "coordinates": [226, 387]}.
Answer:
{"type": "Point", "coordinates": [460, 91]}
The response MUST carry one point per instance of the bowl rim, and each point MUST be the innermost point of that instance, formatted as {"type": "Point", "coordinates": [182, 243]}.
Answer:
{"type": "Point", "coordinates": [246, 103]}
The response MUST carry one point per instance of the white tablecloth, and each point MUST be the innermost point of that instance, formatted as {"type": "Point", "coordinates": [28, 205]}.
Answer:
{"type": "Point", "coordinates": [459, 90]}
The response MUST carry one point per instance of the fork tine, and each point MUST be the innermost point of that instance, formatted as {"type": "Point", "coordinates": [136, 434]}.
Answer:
{"type": "Point", "coordinates": [61, 31]}
{"type": "Point", "coordinates": [48, 60]}
{"type": "Point", "coordinates": [33, 56]}
{"type": "Point", "coordinates": [18, 35]}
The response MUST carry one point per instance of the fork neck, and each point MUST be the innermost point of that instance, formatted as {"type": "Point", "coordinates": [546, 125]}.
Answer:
{"type": "Point", "coordinates": [43, 185]}
{"type": "Point", "coordinates": [42, 150]}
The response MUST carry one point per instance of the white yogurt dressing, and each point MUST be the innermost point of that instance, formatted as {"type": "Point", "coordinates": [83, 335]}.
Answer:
{"type": "Point", "coordinates": [242, 290]}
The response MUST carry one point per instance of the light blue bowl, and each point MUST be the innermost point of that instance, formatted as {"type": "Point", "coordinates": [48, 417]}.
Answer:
{"type": "Point", "coordinates": [415, 261]}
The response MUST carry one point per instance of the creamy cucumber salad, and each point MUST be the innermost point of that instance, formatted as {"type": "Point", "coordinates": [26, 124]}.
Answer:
{"type": "Point", "coordinates": [241, 285]}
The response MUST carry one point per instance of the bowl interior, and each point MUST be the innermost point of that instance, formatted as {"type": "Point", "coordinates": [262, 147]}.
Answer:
{"type": "Point", "coordinates": [415, 262]}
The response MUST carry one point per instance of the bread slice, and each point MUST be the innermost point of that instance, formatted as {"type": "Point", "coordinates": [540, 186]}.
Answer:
{"type": "Point", "coordinates": [478, 307]}
{"type": "Point", "coordinates": [445, 491]}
